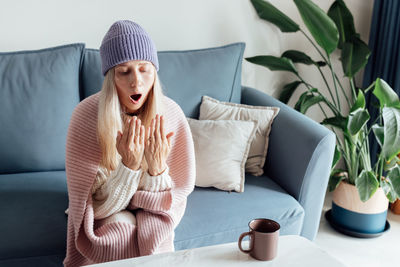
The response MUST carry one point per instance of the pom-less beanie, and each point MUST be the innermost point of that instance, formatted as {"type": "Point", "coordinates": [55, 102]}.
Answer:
{"type": "Point", "coordinates": [125, 41]}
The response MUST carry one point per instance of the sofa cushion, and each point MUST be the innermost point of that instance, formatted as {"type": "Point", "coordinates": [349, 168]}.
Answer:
{"type": "Point", "coordinates": [185, 75]}
{"type": "Point", "coordinates": [33, 222]}
{"type": "Point", "coordinates": [214, 217]}
{"type": "Point", "coordinates": [39, 90]}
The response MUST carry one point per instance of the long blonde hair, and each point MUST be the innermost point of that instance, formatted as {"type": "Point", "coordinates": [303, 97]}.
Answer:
{"type": "Point", "coordinates": [110, 117]}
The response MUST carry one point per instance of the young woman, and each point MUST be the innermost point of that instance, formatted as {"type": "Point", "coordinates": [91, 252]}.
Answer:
{"type": "Point", "coordinates": [129, 159]}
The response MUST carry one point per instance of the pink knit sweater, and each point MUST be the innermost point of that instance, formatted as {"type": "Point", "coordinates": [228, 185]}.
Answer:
{"type": "Point", "coordinates": [157, 213]}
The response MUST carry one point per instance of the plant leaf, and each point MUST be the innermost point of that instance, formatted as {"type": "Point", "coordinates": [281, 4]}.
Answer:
{"type": "Point", "coordinates": [360, 102]}
{"type": "Point", "coordinates": [379, 134]}
{"type": "Point", "coordinates": [394, 176]}
{"type": "Point", "coordinates": [288, 91]}
{"type": "Point", "coordinates": [274, 63]}
{"type": "Point", "coordinates": [306, 101]}
{"type": "Point", "coordinates": [357, 119]}
{"type": "Point", "coordinates": [391, 129]}
{"type": "Point", "coordinates": [268, 12]}
{"type": "Point", "coordinates": [344, 21]}
{"type": "Point", "coordinates": [336, 156]}
{"type": "Point", "coordinates": [320, 25]}
{"type": "Point", "coordinates": [334, 180]}
{"type": "Point", "coordinates": [298, 57]}
{"type": "Point", "coordinates": [337, 121]}
{"type": "Point", "coordinates": [366, 184]}
{"type": "Point", "coordinates": [387, 97]}
{"type": "Point", "coordinates": [355, 54]}
{"type": "Point", "coordinates": [388, 190]}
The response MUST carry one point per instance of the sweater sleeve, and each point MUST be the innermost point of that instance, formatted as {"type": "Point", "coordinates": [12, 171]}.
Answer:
{"type": "Point", "coordinates": [112, 193]}
{"type": "Point", "coordinates": [157, 183]}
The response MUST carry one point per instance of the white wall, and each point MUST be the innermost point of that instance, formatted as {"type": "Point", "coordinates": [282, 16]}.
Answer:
{"type": "Point", "coordinates": [173, 24]}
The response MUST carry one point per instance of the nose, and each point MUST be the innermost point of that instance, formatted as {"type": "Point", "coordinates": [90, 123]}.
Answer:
{"type": "Point", "coordinates": [136, 79]}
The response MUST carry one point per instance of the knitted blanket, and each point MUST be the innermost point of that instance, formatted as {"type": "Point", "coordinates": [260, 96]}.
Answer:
{"type": "Point", "coordinates": [157, 213]}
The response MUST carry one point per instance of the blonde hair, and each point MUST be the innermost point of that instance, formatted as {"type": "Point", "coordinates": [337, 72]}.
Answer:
{"type": "Point", "coordinates": [111, 116]}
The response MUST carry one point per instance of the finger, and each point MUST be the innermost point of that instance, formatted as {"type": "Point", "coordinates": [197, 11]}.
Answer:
{"type": "Point", "coordinates": [125, 131]}
{"type": "Point", "coordinates": [142, 134]}
{"type": "Point", "coordinates": [147, 135]}
{"type": "Point", "coordinates": [153, 124]}
{"type": "Point", "coordinates": [162, 129]}
{"type": "Point", "coordinates": [137, 131]}
{"type": "Point", "coordinates": [119, 135]}
{"type": "Point", "coordinates": [169, 135]}
{"type": "Point", "coordinates": [157, 129]}
{"type": "Point", "coordinates": [131, 132]}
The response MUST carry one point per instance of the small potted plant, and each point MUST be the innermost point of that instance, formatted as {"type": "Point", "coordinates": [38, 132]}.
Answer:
{"type": "Point", "coordinates": [360, 188]}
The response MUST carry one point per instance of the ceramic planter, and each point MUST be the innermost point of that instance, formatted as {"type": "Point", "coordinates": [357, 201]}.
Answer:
{"type": "Point", "coordinates": [351, 213]}
{"type": "Point", "coordinates": [395, 207]}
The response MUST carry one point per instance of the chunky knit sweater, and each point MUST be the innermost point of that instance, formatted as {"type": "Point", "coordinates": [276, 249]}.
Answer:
{"type": "Point", "coordinates": [112, 192]}
{"type": "Point", "coordinates": [157, 213]}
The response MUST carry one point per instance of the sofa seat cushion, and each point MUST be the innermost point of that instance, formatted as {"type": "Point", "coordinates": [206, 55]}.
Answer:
{"type": "Point", "coordinates": [33, 222]}
{"type": "Point", "coordinates": [213, 216]}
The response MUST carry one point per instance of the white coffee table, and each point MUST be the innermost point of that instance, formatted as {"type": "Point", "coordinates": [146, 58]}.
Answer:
{"type": "Point", "coordinates": [292, 251]}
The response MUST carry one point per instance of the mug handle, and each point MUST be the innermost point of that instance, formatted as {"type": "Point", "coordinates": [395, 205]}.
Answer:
{"type": "Point", "coordinates": [240, 242]}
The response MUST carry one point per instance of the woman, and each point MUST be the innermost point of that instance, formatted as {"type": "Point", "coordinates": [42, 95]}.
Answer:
{"type": "Point", "coordinates": [129, 158]}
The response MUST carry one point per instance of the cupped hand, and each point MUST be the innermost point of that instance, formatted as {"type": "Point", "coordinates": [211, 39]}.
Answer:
{"type": "Point", "coordinates": [131, 143]}
{"type": "Point", "coordinates": [158, 146]}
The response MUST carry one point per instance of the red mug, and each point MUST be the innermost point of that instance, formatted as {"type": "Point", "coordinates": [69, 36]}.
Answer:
{"type": "Point", "coordinates": [264, 235]}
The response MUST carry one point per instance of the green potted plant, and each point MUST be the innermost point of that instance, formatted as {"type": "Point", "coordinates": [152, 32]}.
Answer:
{"type": "Point", "coordinates": [361, 191]}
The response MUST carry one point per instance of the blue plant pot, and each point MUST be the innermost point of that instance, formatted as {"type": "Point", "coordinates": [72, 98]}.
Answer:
{"type": "Point", "coordinates": [359, 222]}
{"type": "Point", "coordinates": [350, 213]}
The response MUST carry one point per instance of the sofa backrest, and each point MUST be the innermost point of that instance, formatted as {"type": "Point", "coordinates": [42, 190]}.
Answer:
{"type": "Point", "coordinates": [185, 75]}
{"type": "Point", "coordinates": [38, 92]}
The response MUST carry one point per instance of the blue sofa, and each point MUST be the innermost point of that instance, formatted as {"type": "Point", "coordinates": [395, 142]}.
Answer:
{"type": "Point", "coordinates": [38, 92]}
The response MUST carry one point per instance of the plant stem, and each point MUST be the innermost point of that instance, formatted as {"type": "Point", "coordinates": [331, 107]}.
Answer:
{"type": "Point", "coordinates": [343, 91]}
{"type": "Point", "coordinates": [334, 82]}
{"type": "Point", "coordinates": [353, 89]}
{"type": "Point", "coordinates": [327, 85]}
{"type": "Point", "coordinates": [313, 44]}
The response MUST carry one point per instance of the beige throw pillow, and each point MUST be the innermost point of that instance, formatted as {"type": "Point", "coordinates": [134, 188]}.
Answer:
{"type": "Point", "coordinates": [212, 109]}
{"type": "Point", "coordinates": [221, 149]}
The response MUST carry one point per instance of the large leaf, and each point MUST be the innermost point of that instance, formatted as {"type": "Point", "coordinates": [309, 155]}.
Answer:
{"type": "Point", "coordinates": [273, 63]}
{"type": "Point", "coordinates": [388, 190]}
{"type": "Point", "coordinates": [366, 184]}
{"type": "Point", "coordinates": [336, 156]}
{"type": "Point", "coordinates": [379, 134]}
{"type": "Point", "coordinates": [300, 57]}
{"type": "Point", "coordinates": [268, 12]}
{"type": "Point", "coordinates": [344, 21]}
{"type": "Point", "coordinates": [355, 54]}
{"type": "Point", "coordinates": [391, 129]}
{"type": "Point", "coordinates": [337, 121]}
{"type": "Point", "coordinates": [321, 27]}
{"type": "Point", "coordinates": [357, 119]}
{"type": "Point", "coordinates": [360, 102]}
{"type": "Point", "coordinates": [306, 101]}
{"type": "Point", "coordinates": [387, 97]}
{"type": "Point", "coordinates": [334, 180]}
{"type": "Point", "coordinates": [394, 177]}
{"type": "Point", "coordinates": [288, 91]}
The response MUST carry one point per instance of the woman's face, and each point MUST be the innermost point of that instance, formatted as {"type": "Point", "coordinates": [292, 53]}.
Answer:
{"type": "Point", "coordinates": [134, 80]}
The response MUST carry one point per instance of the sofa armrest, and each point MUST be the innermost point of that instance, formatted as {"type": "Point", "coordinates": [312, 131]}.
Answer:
{"type": "Point", "coordinates": [300, 154]}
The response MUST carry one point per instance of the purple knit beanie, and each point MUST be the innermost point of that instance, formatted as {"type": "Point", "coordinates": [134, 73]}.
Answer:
{"type": "Point", "coordinates": [125, 41]}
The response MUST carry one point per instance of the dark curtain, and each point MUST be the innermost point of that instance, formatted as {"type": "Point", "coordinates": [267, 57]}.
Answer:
{"type": "Point", "coordinates": [384, 62]}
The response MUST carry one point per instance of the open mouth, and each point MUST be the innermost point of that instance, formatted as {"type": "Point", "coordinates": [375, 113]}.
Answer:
{"type": "Point", "coordinates": [136, 97]}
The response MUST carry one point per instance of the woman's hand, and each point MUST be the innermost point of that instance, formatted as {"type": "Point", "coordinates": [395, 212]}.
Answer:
{"type": "Point", "coordinates": [158, 146]}
{"type": "Point", "coordinates": [130, 143]}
